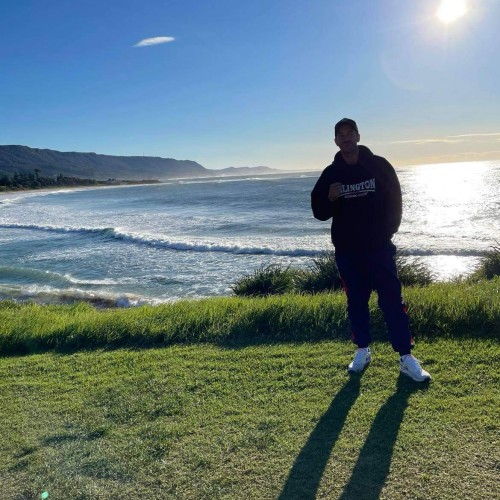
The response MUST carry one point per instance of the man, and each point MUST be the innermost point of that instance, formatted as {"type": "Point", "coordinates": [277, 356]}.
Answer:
{"type": "Point", "coordinates": [362, 195]}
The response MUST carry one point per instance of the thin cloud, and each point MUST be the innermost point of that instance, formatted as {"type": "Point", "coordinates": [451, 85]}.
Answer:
{"type": "Point", "coordinates": [484, 153]}
{"type": "Point", "coordinates": [451, 139]}
{"type": "Point", "coordinates": [477, 135]}
{"type": "Point", "coordinates": [147, 42]}
{"type": "Point", "coordinates": [426, 141]}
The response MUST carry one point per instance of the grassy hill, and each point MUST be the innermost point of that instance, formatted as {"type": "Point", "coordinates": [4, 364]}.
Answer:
{"type": "Point", "coordinates": [94, 166]}
{"type": "Point", "coordinates": [23, 159]}
{"type": "Point", "coordinates": [249, 398]}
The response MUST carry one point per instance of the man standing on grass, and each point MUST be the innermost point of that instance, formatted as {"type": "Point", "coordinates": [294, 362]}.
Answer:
{"type": "Point", "coordinates": [362, 195]}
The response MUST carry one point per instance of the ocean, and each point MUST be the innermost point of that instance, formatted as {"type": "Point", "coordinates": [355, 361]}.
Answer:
{"type": "Point", "coordinates": [148, 244]}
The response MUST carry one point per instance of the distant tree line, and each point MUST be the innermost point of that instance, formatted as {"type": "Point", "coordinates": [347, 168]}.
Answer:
{"type": "Point", "coordinates": [33, 180]}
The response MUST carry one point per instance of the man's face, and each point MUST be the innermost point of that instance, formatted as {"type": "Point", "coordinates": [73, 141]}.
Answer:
{"type": "Point", "coordinates": [347, 139]}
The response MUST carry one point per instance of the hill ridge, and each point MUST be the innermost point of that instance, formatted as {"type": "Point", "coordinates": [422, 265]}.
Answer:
{"type": "Point", "coordinates": [20, 158]}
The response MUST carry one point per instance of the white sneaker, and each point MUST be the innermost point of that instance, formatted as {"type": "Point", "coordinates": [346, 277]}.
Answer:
{"type": "Point", "coordinates": [410, 366]}
{"type": "Point", "coordinates": [362, 358]}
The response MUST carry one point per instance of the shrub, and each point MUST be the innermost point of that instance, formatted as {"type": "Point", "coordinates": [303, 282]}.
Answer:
{"type": "Point", "coordinates": [412, 271]}
{"type": "Point", "coordinates": [321, 276]}
{"type": "Point", "coordinates": [266, 280]}
{"type": "Point", "coordinates": [489, 267]}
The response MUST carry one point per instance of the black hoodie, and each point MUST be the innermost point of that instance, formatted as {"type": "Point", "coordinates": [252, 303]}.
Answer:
{"type": "Point", "coordinates": [368, 210]}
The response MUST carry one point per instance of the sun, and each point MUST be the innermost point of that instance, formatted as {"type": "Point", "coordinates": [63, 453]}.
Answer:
{"type": "Point", "coordinates": [450, 10]}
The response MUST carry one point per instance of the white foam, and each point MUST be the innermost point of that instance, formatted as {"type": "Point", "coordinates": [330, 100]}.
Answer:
{"type": "Point", "coordinates": [209, 246]}
{"type": "Point", "coordinates": [168, 243]}
{"type": "Point", "coordinates": [103, 282]}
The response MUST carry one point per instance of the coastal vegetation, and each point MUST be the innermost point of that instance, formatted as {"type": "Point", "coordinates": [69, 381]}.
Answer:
{"type": "Point", "coordinates": [440, 310]}
{"type": "Point", "coordinates": [323, 276]}
{"type": "Point", "coordinates": [33, 180]}
{"type": "Point", "coordinates": [230, 397]}
{"type": "Point", "coordinates": [489, 266]}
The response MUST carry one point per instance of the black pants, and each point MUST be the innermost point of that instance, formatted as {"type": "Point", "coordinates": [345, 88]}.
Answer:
{"type": "Point", "coordinates": [362, 272]}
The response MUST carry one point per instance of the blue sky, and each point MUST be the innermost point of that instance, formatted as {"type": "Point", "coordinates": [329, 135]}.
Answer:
{"type": "Point", "coordinates": [251, 83]}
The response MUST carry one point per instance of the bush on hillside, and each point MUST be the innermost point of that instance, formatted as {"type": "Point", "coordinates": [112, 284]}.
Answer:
{"type": "Point", "coordinates": [413, 272]}
{"type": "Point", "coordinates": [322, 276]}
{"type": "Point", "coordinates": [266, 280]}
{"type": "Point", "coordinates": [489, 267]}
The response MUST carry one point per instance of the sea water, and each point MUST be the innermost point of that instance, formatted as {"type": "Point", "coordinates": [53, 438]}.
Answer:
{"type": "Point", "coordinates": [194, 238]}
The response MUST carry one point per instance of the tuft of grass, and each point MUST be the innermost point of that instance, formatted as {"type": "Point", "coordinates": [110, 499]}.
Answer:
{"type": "Point", "coordinates": [489, 267]}
{"type": "Point", "coordinates": [270, 279]}
{"type": "Point", "coordinates": [412, 271]}
{"type": "Point", "coordinates": [322, 276]}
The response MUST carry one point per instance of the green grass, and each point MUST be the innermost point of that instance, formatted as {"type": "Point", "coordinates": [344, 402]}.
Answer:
{"type": "Point", "coordinates": [489, 266]}
{"type": "Point", "coordinates": [249, 398]}
{"type": "Point", "coordinates": [439, 310]}
{"type": "Point", "coordinates": [260, 422]}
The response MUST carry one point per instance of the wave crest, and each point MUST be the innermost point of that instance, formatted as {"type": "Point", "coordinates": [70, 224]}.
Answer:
{"type": "Point", "coordinates": [194, 245]}
{"type": "Point", "coordinates": [170, 244]}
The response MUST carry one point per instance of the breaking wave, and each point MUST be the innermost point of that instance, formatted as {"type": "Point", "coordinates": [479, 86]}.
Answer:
{"type": "Point", "coordinates": [170, 244]}
{"type": "Point", "coordinates": [193, 245]}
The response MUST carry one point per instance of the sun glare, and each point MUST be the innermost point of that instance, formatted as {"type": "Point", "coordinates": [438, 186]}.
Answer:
{"type": "Point", "coordinates": [450, 10]}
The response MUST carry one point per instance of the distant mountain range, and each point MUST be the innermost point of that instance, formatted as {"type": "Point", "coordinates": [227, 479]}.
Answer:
{"type": "Point", "coordinates": [102, 167]}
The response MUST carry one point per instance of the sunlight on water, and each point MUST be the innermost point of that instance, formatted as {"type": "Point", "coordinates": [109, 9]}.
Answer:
{"type": "Point", "coordinates": [451, 191]}
{"type": "Point", "coordinates": [453, 204]}
{"type": "Point", "coordinates": [448, 267]}
{"type": "Point", "coordinates": [452, 182]}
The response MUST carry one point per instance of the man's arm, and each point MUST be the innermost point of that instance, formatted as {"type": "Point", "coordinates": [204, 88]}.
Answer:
{"type": "Point", "coordinates": [322, 196]}
{"type": "Point", "coordinates": [394, 202]}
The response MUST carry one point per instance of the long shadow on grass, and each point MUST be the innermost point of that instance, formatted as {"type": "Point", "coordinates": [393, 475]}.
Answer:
{"type": "Point", "coordinates": [372, 467]}
{"type": "Point", "coordinates": [305, 475]}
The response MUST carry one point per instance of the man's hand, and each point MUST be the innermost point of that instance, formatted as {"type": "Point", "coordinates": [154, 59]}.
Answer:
{"type": "Point", "coordinates": [335, 190]}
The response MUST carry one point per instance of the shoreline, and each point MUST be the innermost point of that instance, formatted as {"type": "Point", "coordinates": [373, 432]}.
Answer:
{"type": "Point", "coordinates": [146, 182]}
{"type": "Point", "coordinates": [75, 187]}
{"type": "Point", "coordinates": [110, 298]}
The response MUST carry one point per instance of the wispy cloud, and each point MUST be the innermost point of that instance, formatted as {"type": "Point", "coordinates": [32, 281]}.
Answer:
{"type": "Point", "coordinates": [477, 135]}
{"type": "Point", "coordinates": [427, 141]}
{"type": "Point", "coordinates": [452, 139]}
{"type": "Point", "coordinates": [147, 42]}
